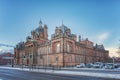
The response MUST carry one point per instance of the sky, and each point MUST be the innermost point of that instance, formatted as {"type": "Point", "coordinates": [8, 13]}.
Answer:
{"type": "Point", "coordinates": [97, 20]}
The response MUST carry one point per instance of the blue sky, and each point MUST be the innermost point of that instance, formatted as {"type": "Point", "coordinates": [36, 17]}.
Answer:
{"type": "Point", "coordinates": [99, 20]}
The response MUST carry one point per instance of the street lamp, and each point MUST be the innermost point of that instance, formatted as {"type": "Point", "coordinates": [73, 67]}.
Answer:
{"type": "Point", "coordinates": [11, 58]}
{"type": "Point", "coordinates": [41, 57]}
{"type": "Point", "coordinates": [63, 52]}
{"type": "Point", "coordinates": [113, 59]}
{"type": "Point", "coordinates": [57, 60]}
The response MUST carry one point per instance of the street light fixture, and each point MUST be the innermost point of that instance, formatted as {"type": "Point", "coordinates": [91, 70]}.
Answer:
{"type": "Point", "coordinates": [113, 58]}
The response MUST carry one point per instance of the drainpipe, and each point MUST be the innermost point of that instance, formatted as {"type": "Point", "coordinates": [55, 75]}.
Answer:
{"type": "Point", "coordinates": [63, 52]}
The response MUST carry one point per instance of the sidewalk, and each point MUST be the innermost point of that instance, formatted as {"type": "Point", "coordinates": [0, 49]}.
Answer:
{"type": "Point", "coordinates": [63, 72]}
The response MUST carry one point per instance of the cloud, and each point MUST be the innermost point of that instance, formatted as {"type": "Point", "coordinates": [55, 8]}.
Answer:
{"type": "Point", "coordinates": [112, 51]}
{"type": "Point", "coordinates": [100, 38]}
{"type": "Point", "coordinates": [6, 50]}
{"type": "Point", "coordinates": [103, 37]}
{"type": "Point", "coordinates": [1, 49]}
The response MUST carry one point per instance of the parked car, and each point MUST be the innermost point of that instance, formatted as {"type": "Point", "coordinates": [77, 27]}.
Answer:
{"type": "Point", "coordinates": [118, 68]}
{"type": "Point", "coordinates": [98, 65]}
{"type": "Point", "coordinates": [109, 66]}
{"type": "Point", "coordinates": [89, 65]}
{"type": "Point", "coordinates": [116, 65]}
{"type": "Point", "coordinates": [82, 65]}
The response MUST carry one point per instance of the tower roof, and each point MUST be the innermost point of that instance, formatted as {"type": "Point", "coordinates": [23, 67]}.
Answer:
{"type": "Point", "coordinates": [63, 28]}
{"type": "Point", "coordinates": [40, 24]}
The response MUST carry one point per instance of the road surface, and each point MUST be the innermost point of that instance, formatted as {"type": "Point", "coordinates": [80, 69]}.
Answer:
{"type": "Point", "coordinates": [10, 74]}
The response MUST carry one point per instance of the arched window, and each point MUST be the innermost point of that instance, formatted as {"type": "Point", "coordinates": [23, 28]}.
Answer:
{"type": "Point", "coordinates": [58, 48]}
{"type": "Point", "coordinates": [68, 48]}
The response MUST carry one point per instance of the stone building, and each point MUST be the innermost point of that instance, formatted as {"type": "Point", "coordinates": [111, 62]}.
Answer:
{"type": "Point", "coordinates": [6, 58]}
{"type": "Point", "coordinates": [62, 50]}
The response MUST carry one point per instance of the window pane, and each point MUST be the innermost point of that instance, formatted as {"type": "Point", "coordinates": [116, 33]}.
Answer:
{"type": "Point", "coordinates": [58, 48]}
{"type": "Point", "coordinates": [68, 48]}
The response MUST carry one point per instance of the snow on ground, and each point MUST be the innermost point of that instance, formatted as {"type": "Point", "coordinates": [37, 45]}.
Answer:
{"type": "Point", "coordinates": [75, 68]}
{"type": "Point", "coordinates": [92, 74]}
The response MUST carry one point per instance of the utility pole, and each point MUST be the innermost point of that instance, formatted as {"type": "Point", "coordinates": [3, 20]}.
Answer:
{"type": "Point", "coordinates": [63, 52]}
{"type": "Point", "coordinates": [118, 52]}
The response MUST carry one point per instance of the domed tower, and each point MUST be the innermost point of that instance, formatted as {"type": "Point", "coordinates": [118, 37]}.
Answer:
{"type": "Point", "coordinates": [45, 32]}
{"type": "Point", "coordinates": [40, 33]}
{"type": "Point", "coordinates": [40, 24]}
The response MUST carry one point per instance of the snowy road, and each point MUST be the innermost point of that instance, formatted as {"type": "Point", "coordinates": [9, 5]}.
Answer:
{"type": "Point", "coordinates": [12, 74]}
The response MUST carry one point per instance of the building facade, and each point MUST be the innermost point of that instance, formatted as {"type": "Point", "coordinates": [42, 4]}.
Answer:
{"type": "Point", "coordinates": [62, 50]}
{"type": "Point", "coordinates": [6, 58]}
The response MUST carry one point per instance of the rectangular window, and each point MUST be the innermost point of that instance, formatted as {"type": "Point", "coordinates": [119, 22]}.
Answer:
{"type": "Point", "coordinates": [56, 59]}
{"type": "Point", "coordinates": [58, 48]}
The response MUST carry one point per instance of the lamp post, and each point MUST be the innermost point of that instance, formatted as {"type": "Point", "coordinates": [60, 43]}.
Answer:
{"type": "Point", "coordinates": [43, 62]}
{"type": "Point", "coordinates": [42, 57]}
{"type": "Point", "coordinates": [22, 60]}
{"type": "Point", "coordinates": [63, 52]}
{"type": "Point", "coordinates": [113, 58]}
{"type": "Point", "coordinates": [11, 60]}
{"type": "Point", "coordinates": [57, 60]}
